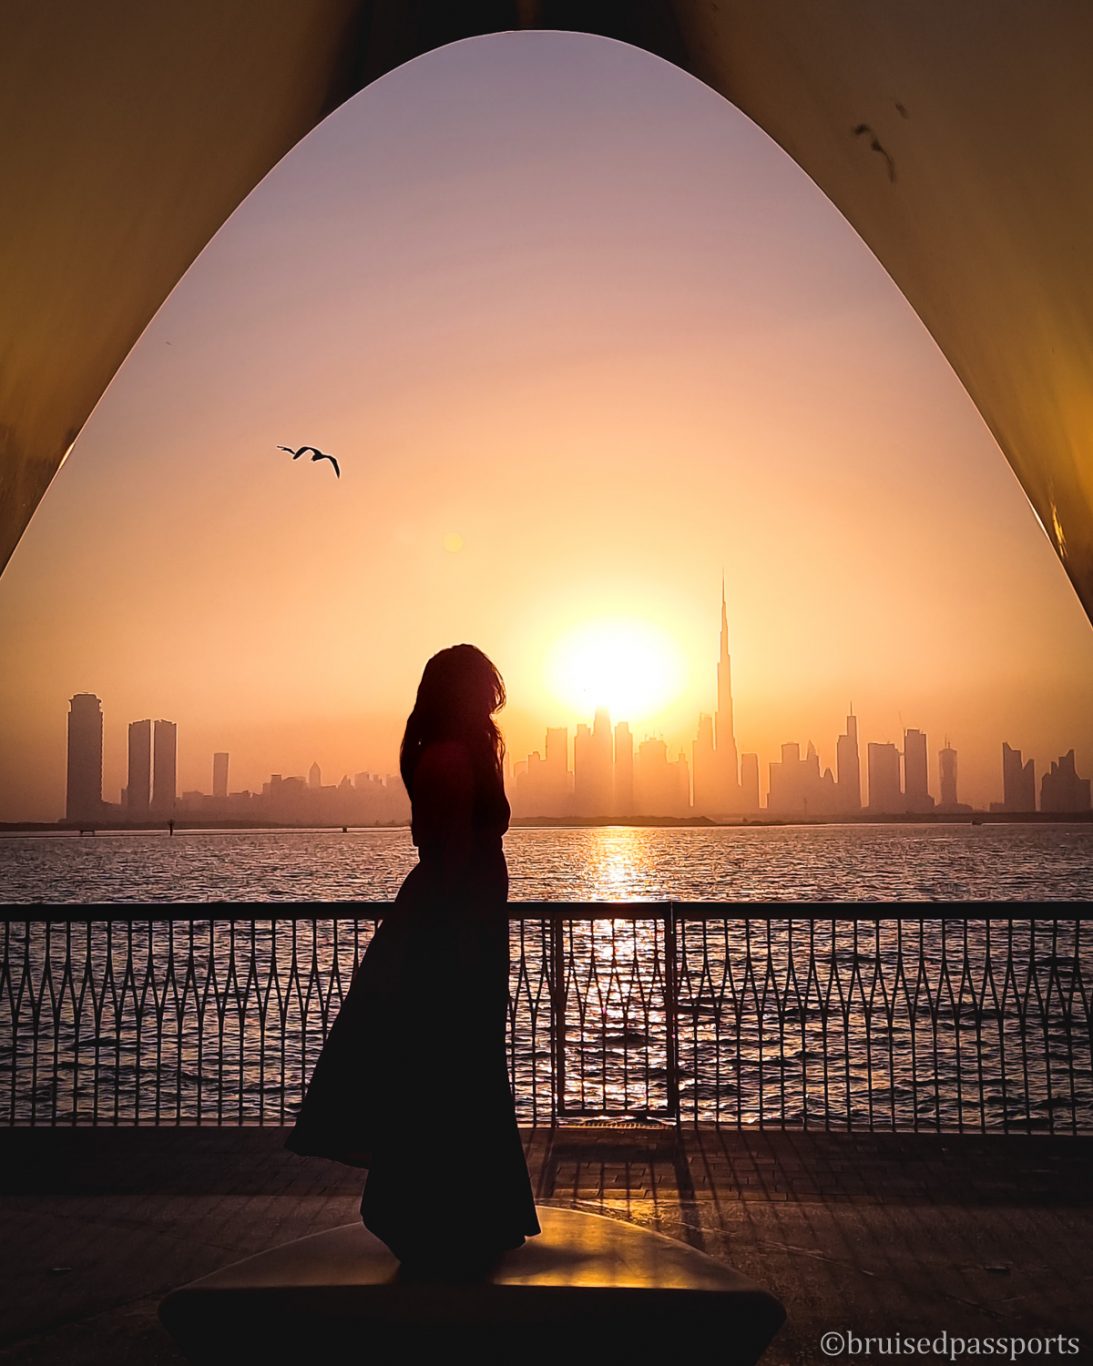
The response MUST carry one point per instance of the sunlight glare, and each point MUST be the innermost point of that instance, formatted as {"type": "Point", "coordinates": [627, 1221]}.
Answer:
{"type": "Point", "coordinates": [630, 667]}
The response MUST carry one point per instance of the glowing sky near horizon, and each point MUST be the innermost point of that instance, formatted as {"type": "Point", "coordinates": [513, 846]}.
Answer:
{"type": "Point", "coordinates": [580, 336]}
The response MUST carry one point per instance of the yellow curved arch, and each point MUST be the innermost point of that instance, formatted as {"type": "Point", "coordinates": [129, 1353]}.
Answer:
{"type": "Point", "coordinates": [955, 138]}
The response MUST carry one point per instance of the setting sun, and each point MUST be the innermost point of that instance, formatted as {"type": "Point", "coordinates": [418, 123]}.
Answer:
{"type": "Point", "coordinates": [630, 667]}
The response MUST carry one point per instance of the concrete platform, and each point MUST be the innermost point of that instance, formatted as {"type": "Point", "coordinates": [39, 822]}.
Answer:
{"type": "Point", "coordinates": [878, 1233]}
{"type": "Point", "coordinates": [586, 1280]}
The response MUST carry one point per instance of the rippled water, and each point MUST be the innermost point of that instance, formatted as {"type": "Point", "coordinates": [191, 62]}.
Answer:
{"type": "Point", "coordinates": [783, 863]}
{"type": "Point", "coordinates": [951, 1020]}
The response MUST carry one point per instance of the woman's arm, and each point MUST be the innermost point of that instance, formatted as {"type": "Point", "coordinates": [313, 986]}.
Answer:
{"type": "Point", "coordinates": [443, 806]}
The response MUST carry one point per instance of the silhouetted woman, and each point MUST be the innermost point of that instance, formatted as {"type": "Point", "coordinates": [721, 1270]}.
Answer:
{"type": "Point", "coordinates": [412, 1082]}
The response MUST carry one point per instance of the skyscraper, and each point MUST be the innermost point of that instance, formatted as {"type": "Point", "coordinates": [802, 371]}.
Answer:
{"type": "Point", "coordinates": [728, 768]}
{"type": "Point", "coordinates": [624, 770]}
{"type": "Point", "coordinates": [1061, 790]}
{"type": "Point", "coordinates": [797, 787]}
{"type": "Point", "coordinates": [556, 772]}
{"type": "Point", "coordinates": [1018, 782]}
{"type": "Point", "coordinates": [848, 766]}
{"type": "Point", "coordinates": [885, 797]}
{"type": "Point", "coordinates": [315, 777]}
{"type": "Point", "coordinates": [681, 799]}
{"type": "Point", "coordinates": [784, 781]}
{"type": "Point", "coordinates": [749, 782]}
{"type": "Point", "coordinates": [916, 783]}
{"type": "Point", "coordinates": [138, 790]}
{"type": "Point", "coordinates": [164, 768]}
{"type": "Point", "coordinates": [947, 769]}
{"type": "Point", "coordinates": [655, 780]}
{"type": "Point", "coordinates": [704, 767]}
{"type": "Point", "coordinates": [602, 794]}
{"type": "Point", "coordinates": [583, 768]}
{"type": "Point", "coordinates": [220, 775]}
{"type": "Point", "coordinates": [83, 799]}
{"type": "Point", "coordinates": [527, 777]}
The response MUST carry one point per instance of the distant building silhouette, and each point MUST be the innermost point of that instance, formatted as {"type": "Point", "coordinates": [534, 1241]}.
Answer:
{"type": "Point", "coordinates": [624, 770]}
{"type": "Point", "coordinates": [540, 785]}
{"type": "Point", "coordinates": [947, 771]}
{"type": "Point", "coordinates": [164, 769]}
{"type": "Point", "coordinates": [916, 782]}
{"type": "Point", "coordinates": [613, 778]}
{"type": "Point", "coordinates": [715, 764]}
{"type": "Point", "coordinates": [682, 774]}
{"type": "Point", "coordinates": [610, 780]}
{"type": "Point", "coordinates": [1018, 783]}
{"type": "Point", "coordinates": [220, 776]}
{"type": "Point", "coordinates": [530, 786]}
{"type": "Point", "coordinates": [704, 767]}
{"type": "Point", "coordinates": [848, 767]}
{"type": "Point", "coordinates": [784, 781]}
{"type": "Point", "coordinates": [885, 796]}
{"type": "Point", "coordinates": [83, 799]}
{"type": "Point", "coordinates": [727, 795]}
{"type": "Point", "coordinates": [749, 782]}
{"type": "Point", "coordinates": [602, 778]}
{"type": "Point", "coordinates": [138, 790]}
{"type": "Point", "coordinates": [584, 765]}
{"type": "Point", "coordinates": [797, 787]}
{"type": "Point", "coordinates": [1061, 790]}
{"type": "Point", "coordinates": [152, 783]}
{"type": "Point", "coordinates": [661, 788]}
{"type": "Point", "coordinates": [653, 786]}
{"type": "Point", "coordinates": [287, 797]}
{"type": "Point", "coordinates": [556, 771]}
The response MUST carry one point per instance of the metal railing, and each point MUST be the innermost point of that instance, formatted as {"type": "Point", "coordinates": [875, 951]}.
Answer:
{"type": "Point", "coordinates": [878, 1018]}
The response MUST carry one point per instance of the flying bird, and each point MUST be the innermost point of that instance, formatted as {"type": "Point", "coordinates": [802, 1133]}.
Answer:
{"type": "Point", "coordinates": [876, 147]}
{"type": "Point", "coordinates": [316, 454]}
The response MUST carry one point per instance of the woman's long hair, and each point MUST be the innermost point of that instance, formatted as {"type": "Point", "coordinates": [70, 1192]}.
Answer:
{"type": "Point", "coordinates": [459, 692]}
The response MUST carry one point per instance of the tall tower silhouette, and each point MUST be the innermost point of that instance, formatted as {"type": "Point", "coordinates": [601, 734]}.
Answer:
{"type": "Point", "coordinates": [164, 768]}
{"type": "Point", "coordinates": [138, 791]}
{"type": "Point", "coordinates": [83, 801]}
{"type": "Point", "coordinates": [603, 760]}
{"type": "Point", "coordinates": [848, 766]}
{"type": "Point", "coordinates": [947, 767]}
{"type": "Point", "coordinates": [220, 775]}
{"type": "Point", "coordinates": [725, 741]}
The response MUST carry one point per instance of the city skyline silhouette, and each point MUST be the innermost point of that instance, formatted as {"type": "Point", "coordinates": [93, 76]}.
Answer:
{"type": "Point", "coordinates": [603, 773]}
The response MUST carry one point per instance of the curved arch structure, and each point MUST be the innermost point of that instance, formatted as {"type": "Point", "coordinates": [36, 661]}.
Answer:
{"type": "Point", "coordinates": [955, 138]}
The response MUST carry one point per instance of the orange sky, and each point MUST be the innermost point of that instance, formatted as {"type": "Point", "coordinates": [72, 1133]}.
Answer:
{"type": "Point", "coordinates": [553, 298]}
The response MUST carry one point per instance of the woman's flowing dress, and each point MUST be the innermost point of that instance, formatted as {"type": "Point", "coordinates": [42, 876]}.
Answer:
{"type": "Point", "coordinates": [413, 1079]}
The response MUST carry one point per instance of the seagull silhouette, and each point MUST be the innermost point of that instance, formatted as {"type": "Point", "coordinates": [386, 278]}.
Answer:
{"type": "Point", "coordinates": [316, 454]}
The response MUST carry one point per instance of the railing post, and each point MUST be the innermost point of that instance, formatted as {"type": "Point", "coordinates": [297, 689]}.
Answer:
{"type": "Point", "coordinates": [557, 1014]}
{"type": "Point", "coordinates": [671, 988]}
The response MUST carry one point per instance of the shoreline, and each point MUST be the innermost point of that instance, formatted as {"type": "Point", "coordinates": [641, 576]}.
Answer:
{"type": "Point", "coordinates": [565, 823]}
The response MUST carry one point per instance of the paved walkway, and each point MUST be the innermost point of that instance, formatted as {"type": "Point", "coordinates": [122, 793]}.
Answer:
{"type": "Point", "coordinates": [879, 1235]}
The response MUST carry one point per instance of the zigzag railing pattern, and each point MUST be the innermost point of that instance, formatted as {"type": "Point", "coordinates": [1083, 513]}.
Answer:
{"type": "Point", "coordinates": [894, 1018]}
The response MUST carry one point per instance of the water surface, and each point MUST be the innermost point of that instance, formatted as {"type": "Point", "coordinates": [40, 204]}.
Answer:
{"type": "Point", "coordinates": [890, 863]}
